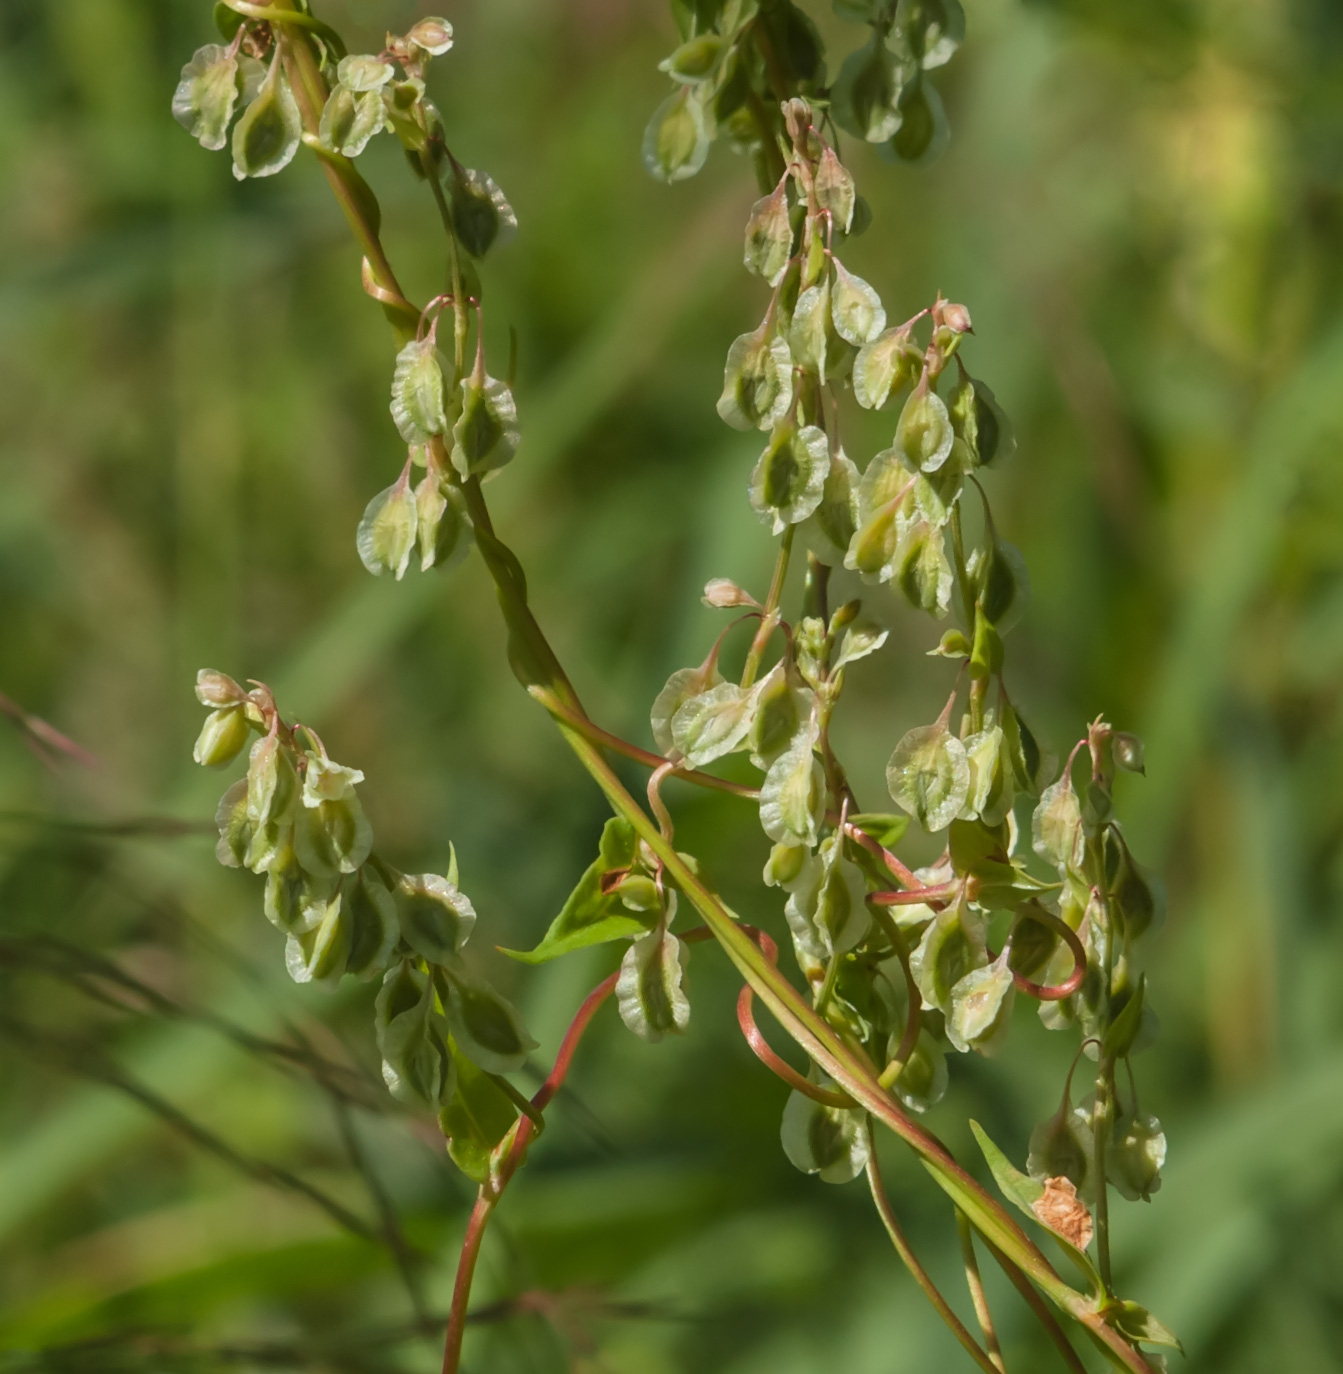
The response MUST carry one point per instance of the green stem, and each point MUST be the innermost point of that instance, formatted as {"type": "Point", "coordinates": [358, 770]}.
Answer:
{"type": "Point", "coordinates": [911, 1262]}
{"type": "Point", "coordinates": [535, 664]}
{"type": "Point", "coordinates": [769, 620]}
{"type": "Point", "coordinates": [977, 1294]}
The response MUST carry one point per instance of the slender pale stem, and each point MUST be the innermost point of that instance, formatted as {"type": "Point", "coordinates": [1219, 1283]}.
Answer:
{"type": "Point", "coordinates": [1039, 1307]}
{"type": "Point", "coordinates": [977, 1294]}
{"type": "Point", "coordinates": [911, 1262]}
{"type": "Point", "coordinates": [770, 619]}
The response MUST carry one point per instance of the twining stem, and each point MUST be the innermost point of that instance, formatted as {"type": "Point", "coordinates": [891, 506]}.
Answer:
{"type": "Point", "coordinates": [977, 1294]}
{"type": "Point", "coordinates": [535, 664]}
{"type": "Point", "coordinates": [770, 619]}
{"type": "Point", "coordinates": [466, 1273]}
{"type": "Point", "coordinates": [911, 1262]}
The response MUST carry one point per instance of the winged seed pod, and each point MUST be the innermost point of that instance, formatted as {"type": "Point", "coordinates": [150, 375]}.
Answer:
{"type": "Point", "coordinates": [266, 137]}
{"type": "Point", "coordinates": [389, 531]}
{"type": "Point", "coordinates": [208, 92]}
{"type": "Point", "coordinates": [824, 1140]}
{"type": "Point", "coordinates": [788, 481]}
{"type": "Point", "coordinates": [485, 436]}
{"type": "Point", "coordinates": [757, 381]}
{"type": "Point", "coordinates": [481, 214]}
{"type": "Point", "coordinates": [649, 992]}
{"type": "Point", "coordinates": [769, 236]}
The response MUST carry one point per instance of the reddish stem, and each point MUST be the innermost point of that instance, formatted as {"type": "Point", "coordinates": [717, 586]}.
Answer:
{"type": "Point", "coordinates": [466, 1271]}
{"type": "Point", "coordinates": [903, 875]}
{"type": "Point", "coordinates": [1045, 992]}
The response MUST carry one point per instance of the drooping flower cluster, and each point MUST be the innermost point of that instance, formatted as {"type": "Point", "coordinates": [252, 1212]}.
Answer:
{"type": "Point", "coordinates": [295, 818]}
{"type": "Point", "coordinates": [738, 59]}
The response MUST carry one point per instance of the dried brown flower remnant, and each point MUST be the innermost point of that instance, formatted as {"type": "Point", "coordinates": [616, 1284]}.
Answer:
{"type": "Point", "coordinates": [1059, 1209]}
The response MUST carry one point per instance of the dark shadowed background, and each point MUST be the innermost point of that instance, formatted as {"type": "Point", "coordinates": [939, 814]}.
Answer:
{"type": "Point", "coordinates": [1143, 207]}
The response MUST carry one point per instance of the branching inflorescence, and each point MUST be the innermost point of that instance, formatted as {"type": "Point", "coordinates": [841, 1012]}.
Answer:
{"type": "Point", "coordinates": [899, 966]}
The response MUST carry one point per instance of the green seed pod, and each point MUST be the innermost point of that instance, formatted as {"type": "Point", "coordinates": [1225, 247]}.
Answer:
{"type": "Point", "coordinates": [318, 953]}
{"type": "Point", "coordinates": [885, 366]}
{"type": "Point", "coordinates": [922, 1083]}
{"type": "Point", "coordinates": [1034, 942]}
{"type": "Point", "coordinates": [412, 1037]}
{"type": "Point", "coordinates": [785, 866]}
{"type": "Point", "coordinates": [1061, 1147]}
{"type": "Point", "coordinates": [929, 776]}
{"type": "Point", "coordinates": [769, 236]}
{"type": "Point", "coordinates": [389, 530]}
{"type": "Point", "coordinates": [222, 737]}
{"type": "Point", "coordinates": [1029, 765]}
{"type": "Point", "coordinates": [979, 421]}
{"type": "Point", "coordinates": [481, 214]}
{"type": "Point", "coordinates": [485, 1026]}
{"type": "Point", "coordinates": [485, 436]}
{"type": "Point", "coordinates": [866, 90]}
{"type": "Point", "coordinates": [683, 684]}
{"type": "Point", "coordinates": [789, 478]}
{"type": "Point", "coordinates": [694, 61]}
{"type": "Point", "coordinates": [713, 723]}
{"type": "Point", "coordinates": [350, 119]}
{"type": "Point", "coordinates": [1135, 1156]}
{"type": "Point", "coordinates": [206, 95]}
{"type": "Point", "coordinates": [757, 382]}
{"type": "Point", "coordinates": [218, 690]}
{"type": "Point", "coordinates": [885, 503]}
{"type": "Point", "coordinates": [1137, 897]}
{"type": "Point", "coordinates": [829, 1141]}
{"type": "Point", "coordinates": [443, 527]}
{"type": "Point", "coordinates": [266, 137]}
{"type": "Point", "coordinates": [649, 992]}
{"type": "Point", "coordinates": [837, 515]}
{"type": "Point", "coordinates": [923, 436]}
{"type": "Point", "coordinates": [792, 796]}
{"type": "Point", "coordinates": [272, 782]}
{"type": "Point", "coordinates": [235, 826]}
{"type": "Point", "coordinates": [855, 307]}
{"type": "Point", "coordinates": [419, 401]}
{"type": "Point", "coordinates": [840, 912]}
{"type": "Point", "coordinates": [923, 131]}
{"type": "Point", "coordinates": [809, 327]}
{"type": "Point", "coordinates": [990, 793]}
{"type": "Point", "coordinates": [332, 837]}
{"type": "Point", "coordinates": [638, 892]}
{"type": "Point", "coordinates": [676, 141]}
{"type": "Point", "coordinates": [292, 896]}
{"type": "Point", "coordinates": [922, 571]}
{"type": "Point", "coordinates": [1128, 752]}
{"type": "Point", "coordinates": [1003, 584]}
{"type": "Point", "coordinates": [948, 951]}
{"type": "Point", "coordinates": [783, 707]}
{"type": "Point", "coordinates": [434, 915]}
{"type": "Point", "coordinates": [835, 191]}
{"type": "Point", "coordinates": [986, 655]}
{"type": "Point", "coordinates": [1056, 827]}
{"type": "Point", "coordinates": [981, 1008]}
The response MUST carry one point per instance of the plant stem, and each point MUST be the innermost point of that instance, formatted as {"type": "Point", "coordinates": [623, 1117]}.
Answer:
{"type": "Point", "coordinates": [1038, 1306]}
{"type": "Point", "coordinates": [466, 1272]}
{"type": "Point", "coordinates": [977, 1294]}
{"type": "Point", "coordinates": [770, 619]}
{"type": "Point", "coordinates": [535, 664]}
{"type": "Point", "coordinates": [911, 1262]}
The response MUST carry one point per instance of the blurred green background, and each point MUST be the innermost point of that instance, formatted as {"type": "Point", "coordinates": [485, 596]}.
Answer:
{"type": "Point", "coordinates": [1143, 207]}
